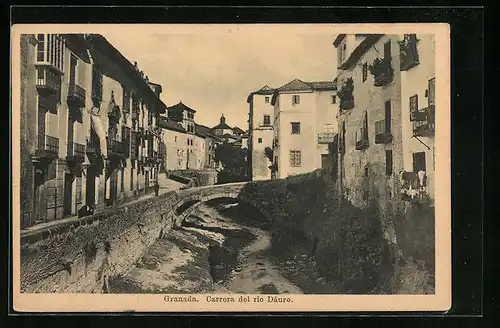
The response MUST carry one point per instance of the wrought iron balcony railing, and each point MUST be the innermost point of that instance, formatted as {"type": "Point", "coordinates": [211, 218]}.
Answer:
{"type": "Point", "coordinates": [383, 132]}
{"type": "Point", "coordinates": [424, 124]}
{"type": "Point", "coordinates": [76, 95]}
{"type": "Point", "coordinates": [47, 80]}
{"type": "Point", "coordinates": [76, 152]}
{"type": "Point", "coordinates": [48, 146]}
{"type": "Point", "coordinates": [326, 137]}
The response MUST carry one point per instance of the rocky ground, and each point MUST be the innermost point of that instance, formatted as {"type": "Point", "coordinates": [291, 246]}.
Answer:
{"type": "Point", "coordinates": [210, 254]}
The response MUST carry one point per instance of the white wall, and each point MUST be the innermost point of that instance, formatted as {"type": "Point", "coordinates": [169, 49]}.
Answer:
{"type": "Point", "coordinates": [415, 81]}
{"type": "Point", "coordinates": [176, 145]}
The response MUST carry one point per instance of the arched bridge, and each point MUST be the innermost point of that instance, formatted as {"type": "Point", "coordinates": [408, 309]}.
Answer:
{"type": "Point", "coordinates": [189, 199]}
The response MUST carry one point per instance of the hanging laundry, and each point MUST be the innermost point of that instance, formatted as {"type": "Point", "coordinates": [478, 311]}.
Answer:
{"type": "Point", "coordinates": [97, 124]}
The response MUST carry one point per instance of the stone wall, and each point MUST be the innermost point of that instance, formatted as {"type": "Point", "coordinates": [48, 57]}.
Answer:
{"type": "Point", "coordinates": [202, 177]}
{"type": "Point", "coordinates": [78, 256]}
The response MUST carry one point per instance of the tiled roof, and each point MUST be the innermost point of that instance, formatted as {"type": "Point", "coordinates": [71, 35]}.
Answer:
{"type": "Point", "coordinates": [238, 130]}
{"type": "Point", "coordinates": [222, 126]}
{"type": "Point", "coordinates": [265, 90]}
{"type": "Point", "coordinates": [299, 85]}
{"type": "Point", "coordinates": [180, 107]}
{"type": "Point", "coordinates": [204, 131]}
{"type": "Point", "coordinates": [167, 124]}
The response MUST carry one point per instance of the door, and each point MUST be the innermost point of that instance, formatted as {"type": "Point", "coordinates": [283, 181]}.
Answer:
{"type": "Point", "coordinates": [113, 186]}
{"type": "Point", "coordinates": [39, 206]}
{"type": "Point", "coordinates": [419, 162]}
{"type": "Point", "coordinates": [387, 50]}
{"type": "Point", "coordinates": [90, 188]}
{"type": "Point", "coordinates": [72, 70]}
{"type": "Point", "coordinates": [68, 193]}
{"type": "Point", "coordinates": [324, 161]}
{"type": "Point", "coordinates": [388, 116]}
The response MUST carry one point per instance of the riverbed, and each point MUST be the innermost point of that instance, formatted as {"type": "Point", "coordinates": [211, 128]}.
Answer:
{"type": "Point", "coordinates": [210, 253]}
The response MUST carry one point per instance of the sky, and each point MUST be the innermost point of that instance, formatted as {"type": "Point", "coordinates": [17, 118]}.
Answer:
{"type": "Point", "coordinates": [213, 68]}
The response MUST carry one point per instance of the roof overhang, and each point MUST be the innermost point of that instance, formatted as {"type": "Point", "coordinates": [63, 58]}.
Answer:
{"type": "Point", "coordinates": [338, 39]}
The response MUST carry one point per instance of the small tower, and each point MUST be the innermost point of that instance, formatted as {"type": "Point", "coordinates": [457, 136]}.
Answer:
{"type": "Point", "coordinates": [222, 119]}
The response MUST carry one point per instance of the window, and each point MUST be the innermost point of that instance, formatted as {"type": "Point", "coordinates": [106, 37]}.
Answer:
{"type": "Point", "coordinates": [419, 162]}
{"type": "Point", "coordinates": [334, 99]}
{"type": "Point", "coordinates": [295, 158]}
{"type": "Point", "coordinates": [131, 179]}
{"type": "Point", "coordinates": [388, 114]}
{"type": "Point", "coordinates": [96, 83]}
{"type": "Point", "coordinates": [388, 162]}
{"type": "Point", "coordinates": [260, 140]}
{"type": "Point", "coordinates": [366, 172]}
{"type": "Point", "coordinates": [365, 71]}
{"type": "Point", "coordinates": [266, 100]}
{"type": "Point", "coordinates": [431, 86]}
{"type": "Point", "coordinates": [267, 120]}
{"type": "Point", "coordinates": [188, 142]}
{"type": "Point", "coordinates": [40, 48]}
{"type": "Point", "coordinates": [387, 50]}
{"type": "Point", "coordinates": [122, 178]}
{"type": "Point", "coordinates": [296, 99]}
{"type": "Point", "coordinates": [50, 49]}
{"type": "Point", "coordinates": [414, 108]}
{"type": "Point", "coordinates": [295, 127]}
{"type": "Point", "coordinates": [342, 53]}
{"type": "Point", "coordinates": [175, 138]}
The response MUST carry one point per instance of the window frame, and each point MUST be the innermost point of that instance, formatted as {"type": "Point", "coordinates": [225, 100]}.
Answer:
{"type": "Point", "coordinates": [295, 124]}
{"type": "Point", "coordinates": [294, 154]}
{"type": "Point", "coordinates": [296, 100]}
{"type": "Point", "coordinates": [269, 119]}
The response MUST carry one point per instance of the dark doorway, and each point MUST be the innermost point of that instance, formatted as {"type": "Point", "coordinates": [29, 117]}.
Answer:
{"type": "Point", "coordinates": [419, 162]}
{"type": "Point", "coordinates": [324, 161]}
{"type": "Point", "coordinates": [39, 206]}
{"type": "Point", "coordinates": [90, 188]}
{"type": "Point", "coordinates": [388, 116]}
{"type": "Point", "coordinates": [113, 187]}
{"type": "Point", "coordinates": [68, 193]}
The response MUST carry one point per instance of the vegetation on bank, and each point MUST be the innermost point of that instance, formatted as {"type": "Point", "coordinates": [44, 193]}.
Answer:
{"type": "Point", "coordinates": [233, 160]}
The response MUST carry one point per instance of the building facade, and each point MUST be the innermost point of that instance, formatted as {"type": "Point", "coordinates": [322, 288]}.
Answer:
{"type": "Point", "coordinates": [76, 130]}
{"type": "Point", "coordinates": [260, 132]}
{"type": "Point", "coordinates": [369, 83]}
{"type": "Point", "coordinates": [305, 122]}
{"type": "Point", "coordinates": [184, 115]}
{"type": "Point", "coordinates": [418, 101]}
{"type": "Point", "coordinates": [175, 140]}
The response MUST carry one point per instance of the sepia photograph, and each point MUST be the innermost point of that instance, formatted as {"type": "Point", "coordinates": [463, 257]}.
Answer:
{"type": "Point", "coordinates": [237, 167]}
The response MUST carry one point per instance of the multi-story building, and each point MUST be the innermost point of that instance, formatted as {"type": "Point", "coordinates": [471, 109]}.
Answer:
{"type": "Point", "coordinates": [184, 115]}
{"type": "Point", "coordinates": [260, 132]}
{"type": "Point", "coordinates": [175, 140]}
{"type": "Point", "coordinates": [210, 141]}
{"type": "Point", "coordinates": [76, 125]}
{"type": "Point", "coordinates": [305, 123]}
{"type": "Point", "coordinates": [371, 140]}
{"type": "Point", "coordinates": [418, 107]}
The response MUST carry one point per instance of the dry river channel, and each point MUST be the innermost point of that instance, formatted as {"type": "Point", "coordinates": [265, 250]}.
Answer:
{"type": "Point", "coordinates": [211, 253]}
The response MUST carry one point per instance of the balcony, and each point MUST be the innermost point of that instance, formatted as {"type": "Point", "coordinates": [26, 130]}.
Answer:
{"type": "Point", "coordinates": [362, 144]}
{"type": "Point", "coordinates": [383, 132]}
{"type": "Point", "coordinates": [325, 137]}
{"type": "Point", "coordinates": [76, 152]}
{"type": "Point", "coordinates": [47, 81]}
{"type": "Point", "coordinates": [116, 147]}
{"type": "Point", "coordinates": [346, 103]}
{"type": "Point", "coordinates": [76, 95]}
{"type": "Point", "coordinates": [93, 147]}
{"type": "Point", "coordinates": [382, 72]}
{"type": "Point", "coordinates": [48, 147]}
{"type": "Point", "coordinates": [424, 123]}
{"type": "Point", "coordinates": [408, 52]}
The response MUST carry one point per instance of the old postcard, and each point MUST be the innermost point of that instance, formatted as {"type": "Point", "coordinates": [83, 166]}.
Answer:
{"type": "Point", "coordinates": [259, 167]}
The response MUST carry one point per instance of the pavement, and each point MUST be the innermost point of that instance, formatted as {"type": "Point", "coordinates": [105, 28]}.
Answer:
{"type": "Point", "coordinates": [166, 185]}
